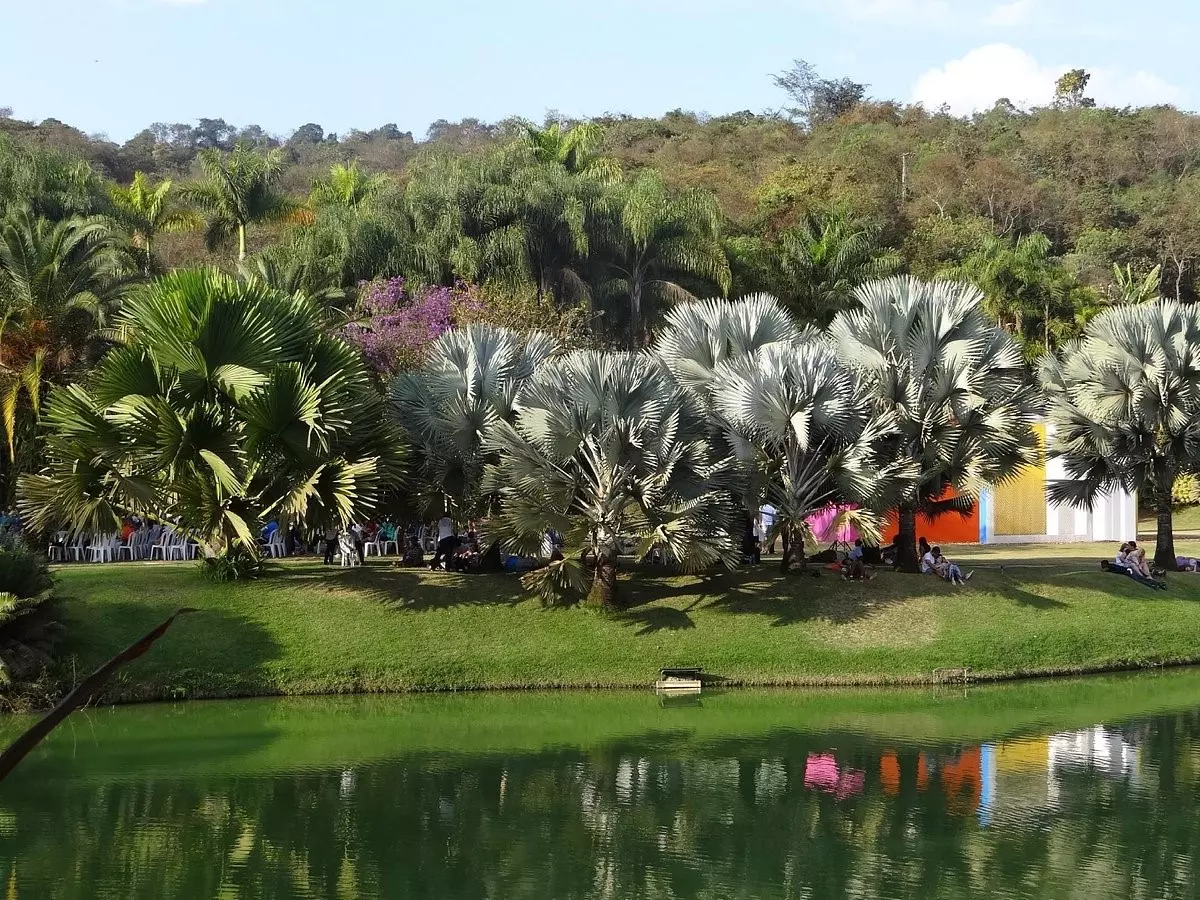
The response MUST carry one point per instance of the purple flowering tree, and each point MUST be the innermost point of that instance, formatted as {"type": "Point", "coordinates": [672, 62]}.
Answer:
{"type": "Point", "coordinates": [393, 326]}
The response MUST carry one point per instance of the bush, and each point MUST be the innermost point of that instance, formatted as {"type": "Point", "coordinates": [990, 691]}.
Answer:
{"type": "Point", "coordinates": [29, 627]}
{"type": "Point", "coordinates": [1186, 491]}
{"type": "Point", "coordinates": [236, 566]}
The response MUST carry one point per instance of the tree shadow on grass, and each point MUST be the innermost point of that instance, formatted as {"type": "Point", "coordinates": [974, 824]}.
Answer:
{"type": "Point", "coordinates": [207, 653]}
{"type": "Point", "coordinates": [658, 618]}
{"type": "Point", "coordinates": [413, 589]}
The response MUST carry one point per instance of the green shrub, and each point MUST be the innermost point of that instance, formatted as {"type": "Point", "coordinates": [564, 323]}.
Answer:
{"type": "Point", "coordinates": [235, 566]}
{"type": "Point", "coordinates": [29, 626]}
{"type": "Point", "coordinates": [1186, 491]}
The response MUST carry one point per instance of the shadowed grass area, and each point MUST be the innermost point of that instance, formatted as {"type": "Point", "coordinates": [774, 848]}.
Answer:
{"type": "Point", "coordinates": [309, 629]}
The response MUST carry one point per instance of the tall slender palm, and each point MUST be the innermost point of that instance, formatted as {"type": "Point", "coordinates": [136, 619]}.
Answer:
{"type": "Point", "coordinates": [1125, 402]}
{"type": "Point", "coordinates": [654, 241]}
{"type": "Point", "coordinates": [146, 210]}
{"type": "Point", "coordinates": [238, 190]}
{"type": "Point", "coordinates": [807, 432]}
{"type": "Point", "coordinates": [961, 397]}
{"type": "Point", "coordinates": [59, 284]}
{"type": "Point", "coordinates": [348, 187]}
{"type": "Point", "coordinates": [229, 402]}
{"type": "Point", "coordinates": [451, 406]}
{"type": "Point", "coordinates": [574, 149]}
{"type": "Point", "coordinates": [821, 261]}
{"type": "Point", "coordinates": [605, 446]}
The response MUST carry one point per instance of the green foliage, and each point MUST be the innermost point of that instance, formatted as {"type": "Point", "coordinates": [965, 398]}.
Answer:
{"type": "Point", "coordinates": [606, 445]}
{"type": "Point", "coordinates": [146, 210]}
{"type": "Point", "coordinates": [226, 402]}
{"type": "Point", "coordinates": [235, 566]}
{"type": "Point", "coordinates": [28, 617]}
{"type": "Point", "coordinates": [1186, 490]}
{"type": "Point", "coordinates": [1124, 399]}
{"type": "Point", "coordinates": [959, 396]}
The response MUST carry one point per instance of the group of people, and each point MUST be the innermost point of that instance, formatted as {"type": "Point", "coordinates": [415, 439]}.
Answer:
{"type": "Point", "coordinates": [1131, 561]}
{"type": "Point", "coordinates": [933, 562]}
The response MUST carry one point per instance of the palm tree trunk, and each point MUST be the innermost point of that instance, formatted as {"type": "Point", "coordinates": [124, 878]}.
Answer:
{"type": "Point", "coordinates": [906, 560]}
{"type": "Point", "coordinates": [635, 315]}
{"type": "Point", "coordinates": [793, 550]}
{"type": "Point", "coordinates": [149, 253]}
{"type": "Point", "coordinates": [241, 242]}
{"type": "Point", "coordinates": [1164, 543]}
{"type": "Point", "coordinates": [604, 582]}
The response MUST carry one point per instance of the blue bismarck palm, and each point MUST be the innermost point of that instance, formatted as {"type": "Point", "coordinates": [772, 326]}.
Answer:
{"type": "Point", "coordinates": [963, 401]}
{"type": "Point", "coordinates": [606, 446]}
{"type": "Point", "coordinates": [1125, 403]}
{"type": "Point", "coordinates": [451, 406]}
{"type": "Point", "coordinates": [227, 403]}
{"type": "Point", "coordinates": [804, 428]}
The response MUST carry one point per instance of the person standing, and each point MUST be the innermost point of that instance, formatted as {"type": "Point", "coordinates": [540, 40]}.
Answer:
{"type": "Point", "coordinates": [331, 536]}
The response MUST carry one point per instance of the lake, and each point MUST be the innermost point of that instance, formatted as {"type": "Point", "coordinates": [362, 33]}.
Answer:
{"type": "Point", "coordinates": [1077, 788]}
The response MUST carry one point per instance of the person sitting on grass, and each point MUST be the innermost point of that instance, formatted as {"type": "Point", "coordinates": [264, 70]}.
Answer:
{"type": "Point", "coordinates": [1138, 562]}
{"type": "Point", "coordinates": [413, 555]}
{"type": "Point", "coordinates": [1123, 565]}
{"type": "Point", "coordinates": [855, 565]}
{"type": "Point", "coordinates": [934, 563]}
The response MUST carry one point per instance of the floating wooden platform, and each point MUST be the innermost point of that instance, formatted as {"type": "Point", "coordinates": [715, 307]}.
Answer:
{"type": "Point", "coordinates": [679, 681]}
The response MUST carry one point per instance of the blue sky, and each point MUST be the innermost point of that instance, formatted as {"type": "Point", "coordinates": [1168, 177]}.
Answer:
{"type": "Point", "coordinates": [115, 66]}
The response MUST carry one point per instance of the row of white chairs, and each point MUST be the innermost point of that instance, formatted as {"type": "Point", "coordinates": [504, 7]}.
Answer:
{"type": "Point", "coordinates": [103, 548]}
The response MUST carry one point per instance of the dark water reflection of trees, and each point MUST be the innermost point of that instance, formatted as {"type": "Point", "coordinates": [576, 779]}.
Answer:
{"type": "Point", "coordinates": [788, 815]}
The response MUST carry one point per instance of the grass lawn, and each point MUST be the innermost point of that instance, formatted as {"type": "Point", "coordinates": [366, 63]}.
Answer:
{"type": "Point", "coordinates": [1186, 521]}
{"type": "Point", "coordinates": [308, 629]}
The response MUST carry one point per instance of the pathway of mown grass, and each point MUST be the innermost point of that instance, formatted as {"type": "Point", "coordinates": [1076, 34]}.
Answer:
{"type": "Point", "coordinates": [308, 629]}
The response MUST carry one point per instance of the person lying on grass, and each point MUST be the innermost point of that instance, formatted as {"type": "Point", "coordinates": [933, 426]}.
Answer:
{"type": "Point", "coordinates": [934, 563]}
{"type": "Point", "coordinates": [1187, 564]}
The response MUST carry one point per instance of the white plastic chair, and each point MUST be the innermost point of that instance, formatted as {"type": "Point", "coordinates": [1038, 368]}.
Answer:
{"type": "Point", "coordinates": [58, 547]}
{"type": "Point", "coordinates": [104, 548]}
{"type": "Point", "coordinates": [394, 543]}
{"type": "Point", "coordinates": [347, 551]}
{"type": "Point", "coordinates": [276, 546]}
{"type": "Point", "coordinates": [128, 547]}
{"type": "Point", "coordinates": [164, 543]}
{"type": "Point", "coordinates": [369, 546]}
{"type": "Point", "coordinates": [76, 551]}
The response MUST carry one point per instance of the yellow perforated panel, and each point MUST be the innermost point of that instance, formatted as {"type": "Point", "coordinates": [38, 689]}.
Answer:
{"type": "Point", "coordinates": [1020, 506]}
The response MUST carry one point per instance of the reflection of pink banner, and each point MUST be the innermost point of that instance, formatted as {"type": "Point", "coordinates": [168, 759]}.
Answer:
{"type": "Point", "coordinates": [821, 773]}
{"type": "Point", "coordinates": [825, 529]}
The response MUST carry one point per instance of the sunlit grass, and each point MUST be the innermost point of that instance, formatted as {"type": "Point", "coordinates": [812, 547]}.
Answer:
{"type": "Point", "coordinates": [309, 629]}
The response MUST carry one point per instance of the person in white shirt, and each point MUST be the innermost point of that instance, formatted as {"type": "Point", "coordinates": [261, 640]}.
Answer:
{"type": "Point", "coordinates": [934, 562]}
{"type": "Point", "coordinates": [445, 528]}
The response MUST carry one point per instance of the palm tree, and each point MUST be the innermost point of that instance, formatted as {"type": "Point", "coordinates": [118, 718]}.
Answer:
{"type": "Point", "coordinates": [652, 241]}
{"type": "Point", "coordinates": [821, 261]}
{"type": "Point", "coordinates": [605, 446]}
{"type": "Point", "coordinates": [574, 149]}
{"type": "Point", "coordinates": [698, 337]}
{"type": "Point", "coordinates": [228, 403]}
{"type": "Point", "coordinates": [961, 397]}
{"type": "Point", "coordinates": [59, 284]}
{"type": "Point", "coordinates": [450, 406]}
{"type": "Point", "coordinates": [238, 190]}
{"type": "Point", "coordinates": [805, 428]}
{"type": "Point", "coordinates": [290, 273]}
{"type": "Point", "coordinates": [347, 187]}
{"type": "Point", "coordinates": [146, 210]}
{"type": "Point", "coordinates": [1125, 403]}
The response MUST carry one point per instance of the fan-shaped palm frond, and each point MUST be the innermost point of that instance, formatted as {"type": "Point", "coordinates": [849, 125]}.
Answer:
{"type": "Point", "coordinates": [452, 404]}
{"type": "Point", "coordinates": [228, 401]}
{"type": "Point", "coordinates": [1124, 401]}
{"type": "Point", "coordinates": [604, 446]}
{"type": "Point", "coordinates": [962, 399]}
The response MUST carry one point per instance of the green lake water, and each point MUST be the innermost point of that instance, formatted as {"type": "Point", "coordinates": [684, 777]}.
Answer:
{"type": "Point", "coordinates": [1086, 788]}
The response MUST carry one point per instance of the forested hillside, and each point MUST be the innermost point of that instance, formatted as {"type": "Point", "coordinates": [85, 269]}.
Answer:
{"type": "Point", "coordinates": [596, 227]}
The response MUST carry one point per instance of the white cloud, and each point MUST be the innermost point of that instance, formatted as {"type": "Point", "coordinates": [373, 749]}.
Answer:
{"type": "Point", "coordinates": [927, 11]}
{"type": "Point", "coordinates": [984, 75]}
{"type": "Point", "coordinates": [1012, 15]}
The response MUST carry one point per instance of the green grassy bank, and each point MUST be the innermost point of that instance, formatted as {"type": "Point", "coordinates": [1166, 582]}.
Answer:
{"type": "Point", "coordinates": [307, 629]}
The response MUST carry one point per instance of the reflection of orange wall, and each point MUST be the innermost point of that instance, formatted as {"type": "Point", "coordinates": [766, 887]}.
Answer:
{"type": "Point", "coordinates": [889, 773]}
{"type": "Point", "coordinates": [963, 782]}
{"type": "Point", "coordinates": [950, 528]}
